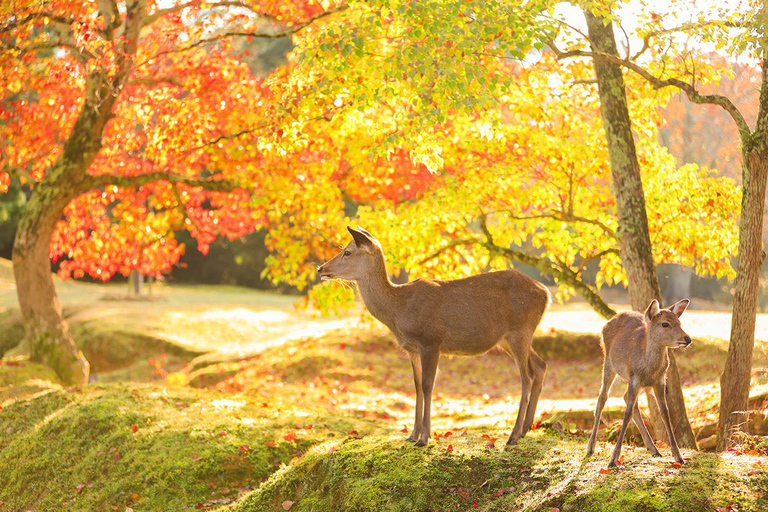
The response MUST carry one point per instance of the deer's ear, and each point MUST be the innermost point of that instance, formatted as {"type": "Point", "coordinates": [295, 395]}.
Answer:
{"type": "Point", "coordinates": [652, 310]}
{"type": "Point", "coordinates": [362, 241]}
{"type": "Point", "coordinates": [679, 307]}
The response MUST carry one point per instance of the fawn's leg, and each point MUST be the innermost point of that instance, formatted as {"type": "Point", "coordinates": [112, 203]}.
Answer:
{"type": "Point", "coordinates": [416, 366]}
{"type": "Point", "coordinates": [632, 390]}
{"type": "Point", "coordinates": [429, 359]}
{"type": "Point", "coordinates": [661, 398]}
{"type": "Point", "coordinates": [647, 439]}
{"type": "Point", "coordinates": [608, 377]}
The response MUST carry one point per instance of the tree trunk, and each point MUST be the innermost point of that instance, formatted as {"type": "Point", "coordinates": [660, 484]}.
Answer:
{"type": "Point", "coordinates": [735, 380]}
{"type": "Point", "coordinates": [634, 240]}
{"type": "Point", "coordinates": [46, 332]}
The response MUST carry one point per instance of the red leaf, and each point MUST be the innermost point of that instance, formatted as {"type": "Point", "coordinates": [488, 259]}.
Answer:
{"type": "Point", "coordinates": [404, 430]}
{"type": "Point", "coordinates": [222, 433]}
{"type": "Point", "coordinates": [604, 471]}
{"type": "Point", "coordinates": [464, 494]}
{"type": "Point", "coordinates": [474, 504]}
{"type": "Point", "coordinates": [244, 448]}
{"type": "Point", "coordinates": [353, 433]}
{"type": "Point", "coordinates": [450, 448]}
{"type": "Point", "coordinates": [270, 444]}
{"type": "Point", "coordinates": [676, 465]}
{"type": "Point", "coordinates": [134, 427]}
{"type": "Point", "coordinates": [290, 436]}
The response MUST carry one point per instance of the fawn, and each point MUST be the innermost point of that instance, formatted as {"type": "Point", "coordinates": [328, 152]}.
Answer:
{"type": "Point", "coordinates": [635, 347]}
{"type": "Point", "coordinates": [464, 317]}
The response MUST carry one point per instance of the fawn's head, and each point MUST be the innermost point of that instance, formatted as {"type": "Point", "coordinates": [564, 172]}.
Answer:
{"type": "Point", "coordinates": [356, 260]}
{"type": "Point", "coordinates": [664, 324]}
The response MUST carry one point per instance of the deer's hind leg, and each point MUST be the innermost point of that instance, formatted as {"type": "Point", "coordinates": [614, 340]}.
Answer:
{"type": "Point", "coordinates": [518, 346]}
{"type": "Point", "coordinates": [538, 370]}
{"type": "Point", "coordinates": [638, 419]}
{"type": "Point", "coordinates": [417, 424]}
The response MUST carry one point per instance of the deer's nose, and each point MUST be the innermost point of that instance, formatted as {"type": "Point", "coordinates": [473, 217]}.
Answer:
{"type": "Point", "coordinates": [320, 269]}
{"type": "Point", "coordinates": [687, 339]}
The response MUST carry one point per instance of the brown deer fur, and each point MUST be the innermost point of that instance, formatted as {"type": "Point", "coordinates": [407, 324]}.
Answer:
{"type": "Point", "coordinates": [635, 347]}
{"type": "Point", "coordinates": [464, 317]}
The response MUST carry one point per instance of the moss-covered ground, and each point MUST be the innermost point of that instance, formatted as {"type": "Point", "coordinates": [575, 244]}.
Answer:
{"type": "Point", "coordinates": [316, 421]}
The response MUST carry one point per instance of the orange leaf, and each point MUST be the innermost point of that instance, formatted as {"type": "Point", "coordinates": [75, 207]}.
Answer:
{"type": "Point", "coordinates": [604, 471]}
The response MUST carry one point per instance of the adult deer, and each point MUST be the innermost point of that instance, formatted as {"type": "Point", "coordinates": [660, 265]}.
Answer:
{"type": "Point", "coordinates": [635, 347]}
{"type": "Point", "coordinates": [464, 317]}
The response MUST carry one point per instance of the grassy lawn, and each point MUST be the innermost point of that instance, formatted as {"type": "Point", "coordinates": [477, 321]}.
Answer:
{"type": "Point", "coordinates": [227, 399]}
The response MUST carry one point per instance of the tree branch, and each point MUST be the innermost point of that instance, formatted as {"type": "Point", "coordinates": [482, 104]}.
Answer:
{"type": "Point", "coordinates": [567, 217]}
{"type": "Point", "coordinates": [258, 35]}
{"type": "Point", "coordinates": [104, 180]}
{"type": "Point", "coordinates": [151, 18]}
{"type": "Point", "coordinates": [658, 83]}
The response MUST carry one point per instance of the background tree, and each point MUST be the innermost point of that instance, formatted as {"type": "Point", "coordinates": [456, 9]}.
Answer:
{"type": "Point", "coordinates": [683, 67]}
{"type": "Point", "coordinates": [116, 113]}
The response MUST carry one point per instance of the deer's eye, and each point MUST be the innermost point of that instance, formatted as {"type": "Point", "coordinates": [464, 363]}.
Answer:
{"type": "Point", "coordinates": [665, 324]}
{"type": "Point", "coordinates": [347, 253]}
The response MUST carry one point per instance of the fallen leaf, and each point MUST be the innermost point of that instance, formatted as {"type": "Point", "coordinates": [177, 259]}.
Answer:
{"type": "Point", "coordinates": [287, 505]}
{"type": "Point", "coordinates": [134, 427]}
{"type": "Point", "coordinates": [450, 448]}
{"type": "Point", "coordinates": [135, 496]}
{"type": "Point", "coordinates": [195, 457]}
{"type": "Point", "coordinates": [79, 488]}
{"type": "Point", "coordinates": [676, 465]}
{"type": "Point", "coordinates": [474, 503]}
{"type": "Point", "coordinates": [333, 449]}
{"type": "Point", "coordinates": [464, 494]}
{"type": "Point", "coordinates": [270, 444]}
{"type": "Point", "coordinates": [604, 471]}
{"type": "Point", "coordinates": [404, 430]}
{"type": "Point", "coordinates": [222, 434]}
{"type": "Point", "coordinates": [290, 436]}
{"type": "Point", "coordinates": [244, 448]}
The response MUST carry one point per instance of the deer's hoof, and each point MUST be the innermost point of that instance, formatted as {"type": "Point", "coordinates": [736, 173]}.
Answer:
{"type": "Point", "coordinates": [680, 460]}
{"type": "Point", "coordinates": [421, 442]}
{"type": "Point", "coordinates": [510, 444]}
{"type": "Point", "coordinates": [410, 439]}
{"type": "Point", "coordinates": [613, 464]}
{"type": "Point", "coordinates": [590, 451]}
{"type": "Point", "coordinates": [655, 454]}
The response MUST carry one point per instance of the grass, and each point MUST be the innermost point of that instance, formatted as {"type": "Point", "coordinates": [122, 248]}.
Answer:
{"type": "Point", "coordinates": [225, 399]}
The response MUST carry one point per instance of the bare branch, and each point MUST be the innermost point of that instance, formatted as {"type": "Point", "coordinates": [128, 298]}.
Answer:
{"type": "Point", "coordinates": [151, 18]}
{"type": "Point", "coordinates": [259, 35]}
{"type": "Point", "coordinates": [35, 16]}
{"type": "Point", "coordinates": [658, 83]}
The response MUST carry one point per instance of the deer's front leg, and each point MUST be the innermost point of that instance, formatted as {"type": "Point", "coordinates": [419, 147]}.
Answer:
{"type": "Point", "coordinates": [661, 398]}
{"type": "Point", "coordinates": [429, 359]}
{"type": "Point", "coordinates": [632, 390]}
{"type": "Point", "coordinates": [416, 365]}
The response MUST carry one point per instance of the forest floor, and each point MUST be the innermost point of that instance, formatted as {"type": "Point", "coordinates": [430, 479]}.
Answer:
{"type": "Point", "coordinates": [221, 398]}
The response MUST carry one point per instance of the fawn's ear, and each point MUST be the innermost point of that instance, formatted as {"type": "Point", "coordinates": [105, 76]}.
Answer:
{"type": "Point", "coordinates": [679, 307]}
{"type": "Point", "coordinates": [362, 241]}
{"type": "Point", "coordinates": [652, 310]}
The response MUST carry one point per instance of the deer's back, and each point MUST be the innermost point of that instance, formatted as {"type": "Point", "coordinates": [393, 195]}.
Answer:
{"type": "Point", "coordinates": [471, 315]}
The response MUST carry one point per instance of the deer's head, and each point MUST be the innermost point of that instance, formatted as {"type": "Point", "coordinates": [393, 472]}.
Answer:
{"type": "Point", "coordinates": [664, 324]}
{"type": "Point", "coordinates": [356, 260]}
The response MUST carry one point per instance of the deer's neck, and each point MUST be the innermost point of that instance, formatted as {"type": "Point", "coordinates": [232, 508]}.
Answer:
{"type": "Point", "coordinates": [656, 357]}
{"type": "Point", "coordinates": [380, 295]}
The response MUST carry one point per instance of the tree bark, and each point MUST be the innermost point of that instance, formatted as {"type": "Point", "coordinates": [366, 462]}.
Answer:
{"type": "Point", "coordinates": [634, 240]}
{"type": "Point", "coordinates": [46, 332]}
{"type": "Point", "coordinates": [735, 380]}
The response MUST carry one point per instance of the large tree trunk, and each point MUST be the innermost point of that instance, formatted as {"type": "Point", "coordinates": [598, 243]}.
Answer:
{"type": "Point", "coordinates": [46, 332]}
{"type": "Point", "coordinates": [735, 380]}
{"type": "Point", "coordinates": [634, 240]}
